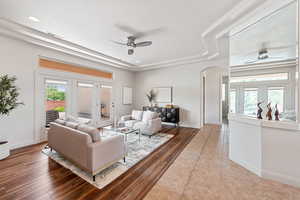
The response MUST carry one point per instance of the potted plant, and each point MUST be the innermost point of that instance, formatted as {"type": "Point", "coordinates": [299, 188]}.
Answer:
{"type": "Point", "coordinates": [9, 94]}
{"type": "Point", "coordinates": [151, 96]}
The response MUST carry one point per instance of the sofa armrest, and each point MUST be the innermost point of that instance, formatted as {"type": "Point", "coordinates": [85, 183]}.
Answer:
{"type": "Point", "coordinates": [150, 127]}
{"type": "Point", "coordinates": [154, 124]}
{"type": "Point", "coordinates": [104, 153]}
{"type": "Point", "coordinates": [126, 118]}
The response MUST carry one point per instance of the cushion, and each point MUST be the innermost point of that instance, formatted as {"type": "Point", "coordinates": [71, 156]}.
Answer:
{"type": "Point", "coordinates": [148, 115]}
{"type": "Point", "coordinates": [60, 121]}
{"type": "Point", "coordinates": [130, 123]}
{"type": "Point", "coordinates": [72, 125]}
{"type": "Point", "coordinates": [71, 118]}
{"type": "Point", "coordinates": [137, 115]}
{"type": "Point", "coordinates": [92, 131]}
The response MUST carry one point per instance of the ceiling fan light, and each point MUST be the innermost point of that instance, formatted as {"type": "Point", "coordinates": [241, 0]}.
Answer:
{"type": "Point", "coordinates": [130, 51]}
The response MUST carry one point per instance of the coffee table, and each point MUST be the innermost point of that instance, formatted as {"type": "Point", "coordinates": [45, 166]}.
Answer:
{"type": "Point", "coordinates": [124, 130]}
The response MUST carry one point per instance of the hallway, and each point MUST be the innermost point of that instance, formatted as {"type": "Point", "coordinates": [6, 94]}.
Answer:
{"type": "Point", "coordinates": [203, 171]}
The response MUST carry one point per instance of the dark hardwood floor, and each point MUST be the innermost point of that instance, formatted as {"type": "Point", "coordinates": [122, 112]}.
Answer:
{"type": "Point", "coordinates": [28, 174]}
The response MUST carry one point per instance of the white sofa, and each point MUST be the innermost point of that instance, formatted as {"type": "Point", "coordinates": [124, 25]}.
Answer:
{"type": "Point", "coordinates": [148, 122]}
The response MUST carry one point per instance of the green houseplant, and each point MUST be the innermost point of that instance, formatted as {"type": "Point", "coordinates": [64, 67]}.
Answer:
{"type": "Point", "coordinates": [9, 94]}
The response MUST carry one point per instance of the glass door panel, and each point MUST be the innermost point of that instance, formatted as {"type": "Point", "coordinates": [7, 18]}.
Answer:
{"type": "Point", "coordinates": [85, 100]}
{"type": "Point", "coordinates": [55, 104]}
{"type": "Point", "coordinates": [106, 102]}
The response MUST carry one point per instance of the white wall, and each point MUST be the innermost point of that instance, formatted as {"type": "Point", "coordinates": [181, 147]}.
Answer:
{"type": "Point", "coordinates": [213, 95]}
{"type": "Point", "coordinates": [245, 145]}
{"type": "Point", "coordinates": [186, 83]}
{"type": "Point", "coordinates": [20, 59]}
{"type": "Point", "coordinates": [267, 148]}
{"type": "Point", "coordinates": [281, 155]}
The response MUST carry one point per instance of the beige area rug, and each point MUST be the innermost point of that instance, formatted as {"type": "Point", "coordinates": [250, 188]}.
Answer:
{"type": "Point", "coordinates": [136, 152]}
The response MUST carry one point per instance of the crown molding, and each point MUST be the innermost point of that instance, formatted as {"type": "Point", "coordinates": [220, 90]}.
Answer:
{"type": "Point", "coordinates": [213, 35]}
{"type": "Point", "coordinates": [266, 9]}
{"type": "Point", "coordinates": [14, 30]}
{"type": "Point", "coordinates": [268, 65]}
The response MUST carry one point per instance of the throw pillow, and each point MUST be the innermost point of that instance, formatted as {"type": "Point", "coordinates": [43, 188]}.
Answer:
{"type": "Point", "coordinates": [92, 131]}
{"type": "Point", "coordinates": [60, 121]}
{"type": "Point", "coordinates": [72, 125]}
{"type": "Point", "coordinates": [137, 115]}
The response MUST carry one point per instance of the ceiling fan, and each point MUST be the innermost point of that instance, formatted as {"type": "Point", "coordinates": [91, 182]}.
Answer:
{"type": "Point", "coordinates": [131, 44]}
{"type": "Point", "coordinates": [134, 35]}
{"type": "Point", "coordinates": [263, 53]}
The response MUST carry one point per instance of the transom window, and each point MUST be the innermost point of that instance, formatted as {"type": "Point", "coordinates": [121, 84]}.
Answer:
{"type": "Point", "coordinates": [261, 77]}
{"type": "Point", "coordinates": [276, 96]}
{"type": "Point", "coordinates": [232, 101]}
{"type": "Point", "coordinates": [250, 101]}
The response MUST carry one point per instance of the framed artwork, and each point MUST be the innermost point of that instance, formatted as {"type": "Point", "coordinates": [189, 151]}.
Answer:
{"type": "Point", "coordinates": [163, 94]}
{"type": "Point", "coordinates": [127, 95]}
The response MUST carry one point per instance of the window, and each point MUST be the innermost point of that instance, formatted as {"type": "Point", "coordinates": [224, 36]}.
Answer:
{"type": "Point", "coordinates": [84, 100]}
{"type": "Point", "coordinates": [233, 101]}
{"type": "Point", "coordinates": [223, 92]}
{"type": "Point", "coordinates": [276, 96]}
{"type": "Point", "coordinates": [250, 101]}
{"type": "Point", "coordinates": [106, 101]}
{"type": "Point", "coordinates": [55, 98]}
{"type": "Point", "coordinates": [261, 77]}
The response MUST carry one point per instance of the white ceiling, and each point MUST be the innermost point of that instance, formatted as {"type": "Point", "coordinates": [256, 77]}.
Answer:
{"type": "Point", "coordinates": [92, 24]}
{"type": "Point", "coordinates": [182, 31]}
{"type": "Point", "coordinates": [277, 32]}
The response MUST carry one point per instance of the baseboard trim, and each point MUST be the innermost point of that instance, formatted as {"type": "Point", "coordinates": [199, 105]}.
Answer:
{"type": "Point", "coordinates": [281, 178]}
{"type": "Point", "coordinates": [247, 166]}
{"type": "Point", "coordinates": [21, 144]}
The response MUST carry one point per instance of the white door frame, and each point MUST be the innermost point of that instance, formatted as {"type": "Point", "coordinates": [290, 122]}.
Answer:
{"type": "Point", "coordinates": [41, 75]}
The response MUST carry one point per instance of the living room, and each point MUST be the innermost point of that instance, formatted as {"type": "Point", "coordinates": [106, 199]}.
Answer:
{"type": "Point", "coordinates": [147, 98]}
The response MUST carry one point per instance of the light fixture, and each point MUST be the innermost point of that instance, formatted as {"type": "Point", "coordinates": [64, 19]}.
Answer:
{"type": "Point", "coordinates": [34, 19]}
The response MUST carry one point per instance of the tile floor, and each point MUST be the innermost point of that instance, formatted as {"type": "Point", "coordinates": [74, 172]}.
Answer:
{"type": "Point", "coordinates": [203, 171]}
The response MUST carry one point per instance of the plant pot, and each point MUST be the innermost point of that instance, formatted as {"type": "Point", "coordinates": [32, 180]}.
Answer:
{"type": "Point", "coordinates": [4, 150]}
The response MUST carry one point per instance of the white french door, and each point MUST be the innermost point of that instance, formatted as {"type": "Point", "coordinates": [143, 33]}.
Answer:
{"type": "Point", "coordinates": [104, 108]}
{"type": "Point", "coordinates": [93, 102]}
{"type": "Point", "coordinates": [87, 98]}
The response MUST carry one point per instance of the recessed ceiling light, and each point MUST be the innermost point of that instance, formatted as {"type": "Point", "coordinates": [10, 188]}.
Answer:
{"type": "Point", "coordinates": [33, 19]}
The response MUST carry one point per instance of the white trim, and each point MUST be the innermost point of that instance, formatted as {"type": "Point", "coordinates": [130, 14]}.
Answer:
{"type": "Point", "coordinates": [21, 32]}
{"type": "Point", "coordinates": [248, 166]}
{"type": "Point", "coordinates": [281, 178]}
{"type": "Point", "coordinates": [266, 9]}
{"type": "Point", "coordinates": [24, 33]}
{"type": "Point", "coordinates": [268, 65]}
{"type": "Point", "coordinates": [22, 144]}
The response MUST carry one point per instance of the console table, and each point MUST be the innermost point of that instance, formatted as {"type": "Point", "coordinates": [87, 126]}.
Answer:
{"type": "Point", "coordinates": [168, 115]}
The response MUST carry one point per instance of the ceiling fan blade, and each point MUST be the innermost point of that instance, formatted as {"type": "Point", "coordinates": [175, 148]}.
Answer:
{"type": "Point", "coordinates": [119, 43]}
{"type": "Point", "coordinates": [139, 34]}
{"type": "Point", "coordinates": [143, 44]}
{"type": "Point", "coordinates": [130, 30]}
